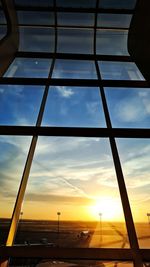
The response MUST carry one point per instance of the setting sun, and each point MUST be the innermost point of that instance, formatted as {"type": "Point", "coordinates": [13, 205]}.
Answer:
{"type": "Point", "coordinates": [109, 208]}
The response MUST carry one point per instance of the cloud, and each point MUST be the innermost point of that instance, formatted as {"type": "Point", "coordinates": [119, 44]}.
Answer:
{"type": "Point", "coordinates": [134, 155]}
{"type": "Point", "coordinates": [58, 198]}
{"type": "Point", "coordinates": [74, 167]}
{"type": "Point", "coordinates": [134, 108]}
{"type": "Point", "coordinates": [64, 91]}
{"type": "Point", "coordinates": [138, 182]}
{"type": "Point", "coordinates": [144, 95]}
{"type": "Point", "coordinates": [129, 110]}
{"type": "Point", "coordinates": [92, 107]}
{"type": "Point", "coordinates": [2, 90]}
{"type": "Point", "coordinates": [12, 162]}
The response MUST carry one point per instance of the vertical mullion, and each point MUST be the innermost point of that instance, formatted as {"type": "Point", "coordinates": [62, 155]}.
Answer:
{"type": "Point", "coordinates": [10, 42]}
{"type": "Point", "coordinates": [120, 178]}
{"type": "Point", "coordinates": [25, 176]}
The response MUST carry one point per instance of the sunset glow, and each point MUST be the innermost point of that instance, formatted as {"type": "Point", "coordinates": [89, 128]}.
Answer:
{"type": "Point", "coordinates": [109, 208]}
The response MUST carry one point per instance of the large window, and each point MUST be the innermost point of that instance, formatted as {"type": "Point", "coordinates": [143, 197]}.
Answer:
{"type": "Point", "coordinates": [74, 136]}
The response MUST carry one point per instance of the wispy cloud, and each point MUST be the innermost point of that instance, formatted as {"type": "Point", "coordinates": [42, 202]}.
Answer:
{"type": "Point", "coordinates": [92, 107]}
{"type": "Point", "coordinates": [64, 91]}
{"type": "Point", "coordinates": [133, 108]}
{"type": "Point", "coordinates": [129, 110]}
{"type": "Point", "coordinates": [58, 199]}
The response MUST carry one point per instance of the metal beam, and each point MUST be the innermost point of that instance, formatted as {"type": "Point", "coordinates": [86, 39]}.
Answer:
{"type": "Point", "coordinates": [73, 56]}
{"type": "Point", "coordinates": [74, 131]}
{"type": "Point", "coordinates": [74, 10]}
{"type": "Point", "coordinates": [71, 253]}
{"type": "Point", "coordinates": [75, 82]}
{"type": "Point", "coordinates": [9, 44]}
{"type": "Point", "coordinates": [65, 253]}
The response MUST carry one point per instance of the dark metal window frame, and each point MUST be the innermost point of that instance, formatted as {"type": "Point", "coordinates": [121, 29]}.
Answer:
{"type": "Point", "coordinates": [134, 253]}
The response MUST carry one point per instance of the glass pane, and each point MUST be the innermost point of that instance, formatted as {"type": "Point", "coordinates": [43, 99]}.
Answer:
{"type": "Point", "coordinates": [135, 158]}
{"type": "Point", "coordinates": [116, 263]}
{"type": "Point", "coordinates": [119, 71]}
{"type": "Point", "coordinates": [29, 68]}
{"type": "Point", "coordinates": [112, 42]}
{"type": "Point", "coordinates": [129, 107]}
{"type": "Point", "coordinates": [3, 23]}
{"type": "Point", "coordinates": [75, 41]}
{"type": "Point", "coordinates": [36, 17]}
{"type": "Point", "coordinates": [74, 69]}
{"type": "Point", "coordinates": [78, 263]}
{"type": "Point", "coordinates": [114, 20]}
{"type": "Point", "coordinates": [2, 17]}
{"type": "Point", "coordinates": [76, 19]}
{"type": "Point", "coordinates": [19, 104]}
{"type": "Point", "coordinates": [74, 107]}
{"type": "Point", "coordinates": [127, 4]}
{"type": "Point", "coordinates": [41, 3]}
{"type": "Point", "coordinates": [12, 160]}
{"type": "Point", "coordinates": [38, 39]}
{"type": "Point", "coordinates": [3, 31]}
{"type": "Point", "coordinates": [77, 3]}
{"type": "Point", "coordinates": [73, 183]}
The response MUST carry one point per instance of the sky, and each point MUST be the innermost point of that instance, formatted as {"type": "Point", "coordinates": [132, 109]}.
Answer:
{"type": "Point", "coordinates": [68, 173]}
{"type": "Point", "coordinates": [75, 176]}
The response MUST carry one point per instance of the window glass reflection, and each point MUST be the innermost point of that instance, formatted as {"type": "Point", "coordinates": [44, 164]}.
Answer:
{"type": "Point", "coordinates": [125, 4]}
{"type": "Point", "coordinates": [73, 180]}
{"type": "Point", "coordinates": [29, 68]}
{"type": "Point", "coordinates": [135, 158]}
{"type": "Point", "coordinates": [3, 31]}
{"type": "Point", "coordinates": [19, 104]}
{"type": "Point", "coordinates": [41, 3]}
{"type": "Point", "coordinates": [77, 263]}
{"type": "Point", "coordinates": [36, 18]}
{"type": "Point", "coordinates": [114, 20]}
{"type": "Point", "coordinates": [77, 3]}
{"type": "Point", "coordinates": [12, 160]}
{"type": "Point", "coordinates": [129, 107]}
{"type": "Point", "coordinates": [74, 69]}
{"type": "Point", "coordinates": [36, 39]}
{"type": "Point", "coordinates": [74, 107]}
{"type": "Point", "coordinates": [75, 19]}
{"type": "Point", "coordinates": [119, 71]}
{"type": "Point", "coordinates": [112, 42]}
{"type": "Point", "coordinates": [2, 17]}
{"type": "Point", "coordinates": [3, 23]}
{"type": "Point", "coordinates": [75, 41]}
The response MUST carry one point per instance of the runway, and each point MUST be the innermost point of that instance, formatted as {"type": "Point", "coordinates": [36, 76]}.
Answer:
{"type": "Point", "coordinates": [109, 235]}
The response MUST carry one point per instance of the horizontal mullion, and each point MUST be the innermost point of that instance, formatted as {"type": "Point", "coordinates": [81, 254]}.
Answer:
{"type": "Point", "coordinates": [80, 27]}
{"type": "Point", "coordinates": [66, 253]}
{"type": "Point", "coordinates": [72, 253]}
{"type": "Point", "coordinates": [74, 131]}
{"type": "Point", "coordinates": [73, 56]}
{"type": "Point", "coordinates": [73, 82]}
{"type": "Point", "coordinates": [75, 10]}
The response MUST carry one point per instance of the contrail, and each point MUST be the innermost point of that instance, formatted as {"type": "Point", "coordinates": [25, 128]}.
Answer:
{"type": "Point", "coordinates": [76, 188]}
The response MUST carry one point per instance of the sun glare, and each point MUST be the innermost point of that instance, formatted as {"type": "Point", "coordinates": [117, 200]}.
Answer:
{"type": "Point", "coordinates": [107, 207]}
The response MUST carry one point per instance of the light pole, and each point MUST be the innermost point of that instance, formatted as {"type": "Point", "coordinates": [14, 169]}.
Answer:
{"type": "Point", "coordinates": [58, 222]}
{"type": "Point", "coordinates": [148, 215]}
{"type": "Point", "coordinates": [100, 225]}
